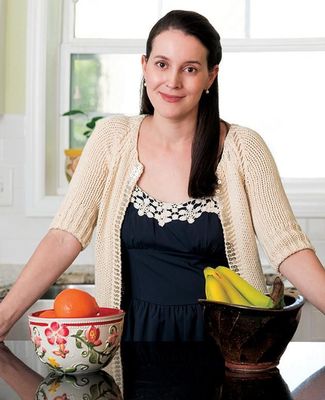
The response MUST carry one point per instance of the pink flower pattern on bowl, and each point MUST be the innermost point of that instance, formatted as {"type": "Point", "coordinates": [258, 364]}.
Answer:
{"type": "Point", "coordinates": [56, 333]}
{"type": "Point", "coordinates": [92, 336]}
{"type": "Point", "coordinates": [37, 340]}
{"type": "Point", "coordinates": [77, 345]}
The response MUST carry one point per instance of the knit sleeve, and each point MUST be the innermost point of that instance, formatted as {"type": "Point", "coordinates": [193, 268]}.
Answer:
{"type": "Point", "coordinates": [79, 209]}
{"type": "Point", "coordinates": [274, 222]}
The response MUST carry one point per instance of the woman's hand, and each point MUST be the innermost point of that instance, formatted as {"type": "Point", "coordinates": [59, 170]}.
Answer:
{"type": "Point", "coordinates": [4, 326]}
{"type": "Point", "coordinates": [3, 331]}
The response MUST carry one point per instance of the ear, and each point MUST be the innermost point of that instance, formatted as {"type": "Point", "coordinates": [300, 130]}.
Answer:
{"type": "Point", "coordinates": [144, 63]}
{"type": "Point", "coordinates": [213, 74]}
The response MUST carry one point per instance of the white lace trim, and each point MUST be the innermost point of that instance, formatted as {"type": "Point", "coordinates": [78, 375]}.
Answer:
{"type": "Point", "coordinates": [166, 212]}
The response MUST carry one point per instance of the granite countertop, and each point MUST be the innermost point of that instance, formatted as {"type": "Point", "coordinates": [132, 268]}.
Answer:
{"type": "Point", "coordinates": [76, 277]}
{"type": "Point", "coordinates": [3, 291]}
{"type": "Point", "coordinates": [83, 274]}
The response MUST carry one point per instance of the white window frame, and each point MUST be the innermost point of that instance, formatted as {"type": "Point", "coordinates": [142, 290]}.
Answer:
{"type": "Point", "coordinates": [306, 196]}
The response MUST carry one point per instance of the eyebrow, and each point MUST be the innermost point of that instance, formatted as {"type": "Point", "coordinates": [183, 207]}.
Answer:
{"type": "Point", "coordinates": [186, 62]}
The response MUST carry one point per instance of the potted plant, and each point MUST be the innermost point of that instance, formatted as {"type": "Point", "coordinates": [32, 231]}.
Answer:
{"type": "Point", "coordinates": [73, 154]}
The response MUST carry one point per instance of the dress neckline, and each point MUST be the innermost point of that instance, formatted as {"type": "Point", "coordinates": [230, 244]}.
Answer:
{"type": "Point", "coordinates": [167, 203]}
{"type": "Point", "coordinates": [167, 212]}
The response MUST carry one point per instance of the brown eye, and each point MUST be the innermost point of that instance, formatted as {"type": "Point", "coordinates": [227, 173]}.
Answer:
{"type": "Point", "coordinates": [161, 64]}
{"type": "Point", "coordinates": [190, 69]}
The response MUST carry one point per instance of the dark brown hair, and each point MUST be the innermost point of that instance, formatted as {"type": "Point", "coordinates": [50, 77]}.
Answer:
{"type": "Point", "coordinates": [203, 178]}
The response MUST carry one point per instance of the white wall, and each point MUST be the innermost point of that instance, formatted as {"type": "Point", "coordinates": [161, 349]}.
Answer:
{"type": "Point", "coordinates": [19, 235]}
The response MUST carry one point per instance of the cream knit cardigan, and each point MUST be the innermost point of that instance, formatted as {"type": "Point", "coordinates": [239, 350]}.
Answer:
{"type": "Point", "coordinates": [250, 195]}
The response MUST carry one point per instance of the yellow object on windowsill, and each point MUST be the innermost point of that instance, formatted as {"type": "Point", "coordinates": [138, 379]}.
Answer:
{"type": "Point", "coordinates": [72, 157]}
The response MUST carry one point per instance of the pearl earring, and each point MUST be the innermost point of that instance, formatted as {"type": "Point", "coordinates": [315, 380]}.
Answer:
{"type": "Point", "coordinates": [144, 84]}
{"type": "Point", "coordinates": [207, 91]}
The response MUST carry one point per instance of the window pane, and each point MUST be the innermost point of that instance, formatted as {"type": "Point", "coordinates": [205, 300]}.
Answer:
{"type": "Point", "coordinates": [101, 85]}
{"type": "Point", "coordinates": [118, 19]}
{"type": "Point", "coordinates": [227, 16]}
{"type": "Point", "coordinates": [101, 19]}
{"type": "Point", "coordinates": [287, 18]}
{"type": "Point", "coordinates": [281, 95]}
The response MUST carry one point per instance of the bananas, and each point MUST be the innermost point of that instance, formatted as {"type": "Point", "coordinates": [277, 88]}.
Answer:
{"type": "Point", "coordinates": [223, 284]}
{"type": "Point", "coordinates": [215, 290]}
{"type": "Point", "coordinates": [277, 294]}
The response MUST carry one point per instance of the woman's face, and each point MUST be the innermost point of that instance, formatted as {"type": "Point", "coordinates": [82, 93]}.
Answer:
{"type": "Point", "coordinates": [176, 74]}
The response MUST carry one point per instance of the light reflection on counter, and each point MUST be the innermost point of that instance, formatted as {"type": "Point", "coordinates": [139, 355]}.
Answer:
{"type": "Point", "coordinates": [295, 373]}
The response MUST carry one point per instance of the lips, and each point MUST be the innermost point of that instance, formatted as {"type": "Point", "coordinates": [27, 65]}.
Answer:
{"type": "Point", "coordinates": [169, 98]}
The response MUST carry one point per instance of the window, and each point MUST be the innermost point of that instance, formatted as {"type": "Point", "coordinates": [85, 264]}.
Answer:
{"type": "Point", "coordinates": [271, 76]}
{"type": "Point", "coordinates": [103, 84]}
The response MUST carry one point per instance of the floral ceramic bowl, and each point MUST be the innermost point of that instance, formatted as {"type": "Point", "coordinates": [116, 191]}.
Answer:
{"type": "Point", "coordinates": [97, 385]}
{"type": "Point", "coordinates": [78, 345]}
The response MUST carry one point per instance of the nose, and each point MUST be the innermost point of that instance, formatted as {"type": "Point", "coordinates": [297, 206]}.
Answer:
{"type": "Point", "coordinates": [173, 79]}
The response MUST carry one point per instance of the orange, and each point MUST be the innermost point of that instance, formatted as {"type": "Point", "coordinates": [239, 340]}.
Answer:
{"type": "Point", "coordinates": [47, 314]}
{"type": "Point", "coordinates": [75, 303]}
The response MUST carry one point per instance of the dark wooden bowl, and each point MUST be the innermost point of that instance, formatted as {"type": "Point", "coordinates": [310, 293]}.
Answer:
{"type": "Point", "coordinates": [252, 339]}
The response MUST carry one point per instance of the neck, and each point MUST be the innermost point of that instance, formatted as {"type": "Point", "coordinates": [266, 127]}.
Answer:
{"type": "Point", "coordinates": [172, 132]}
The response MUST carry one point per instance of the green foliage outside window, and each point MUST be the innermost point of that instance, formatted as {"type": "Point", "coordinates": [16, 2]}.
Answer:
{"type": "Point", "coordinates": [85, 94]}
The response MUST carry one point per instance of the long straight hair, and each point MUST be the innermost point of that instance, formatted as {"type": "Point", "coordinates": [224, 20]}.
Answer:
{"type": "Point", "coordinates": [205, 147]}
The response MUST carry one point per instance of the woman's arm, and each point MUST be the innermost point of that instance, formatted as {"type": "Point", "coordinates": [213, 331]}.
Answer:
{"type": "Point", "coordinates": [72, 228]}
{"type": "Point", "coordinates": [304, 270]}
{"type": "Point", "coordinates": [52, 257]}
{"type": "Point", "coordinates": [274, 222]}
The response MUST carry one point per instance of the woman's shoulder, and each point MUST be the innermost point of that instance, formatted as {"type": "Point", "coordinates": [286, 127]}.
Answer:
{"type": "Point", "coordinates": [113, 129]}
{"type": "Point", "coordinates": [119, 124]}
{"type": "Point", "coordinates": [241, 132]}
{"type": "Point", "coordinates": [244, 138]}
{"type": "Point", "coordinates": [246, 147]}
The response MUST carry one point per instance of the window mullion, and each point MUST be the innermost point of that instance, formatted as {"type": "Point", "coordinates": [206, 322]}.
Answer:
{"type": "Point", "coordinates": [269, 45]}
{"type": "Point", "coordinates": [160, 5]}
{"type": "Point", "coordinates": [102, 46]}
{"type": "Point", "coordinates": [247, 19]}
{"type": "Point", "coordinates": [68, 20]}
{"type": "Point", "coordinates": [229, 45]}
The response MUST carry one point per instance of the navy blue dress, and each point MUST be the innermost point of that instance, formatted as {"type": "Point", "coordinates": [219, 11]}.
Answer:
{"type": "Point", "coordinates": [165, 248]}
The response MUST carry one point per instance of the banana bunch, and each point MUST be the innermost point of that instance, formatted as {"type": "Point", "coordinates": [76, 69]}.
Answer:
{"type": "Point", "coordinates": [223, 284]}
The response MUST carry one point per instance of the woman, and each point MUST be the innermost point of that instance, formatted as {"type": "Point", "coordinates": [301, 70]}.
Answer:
{"type": "Point", "coordinates": [171, 191]}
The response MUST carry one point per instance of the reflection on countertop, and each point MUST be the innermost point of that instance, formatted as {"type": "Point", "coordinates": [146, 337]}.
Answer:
{"type": "Point", "coordinates": [166, 371]}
